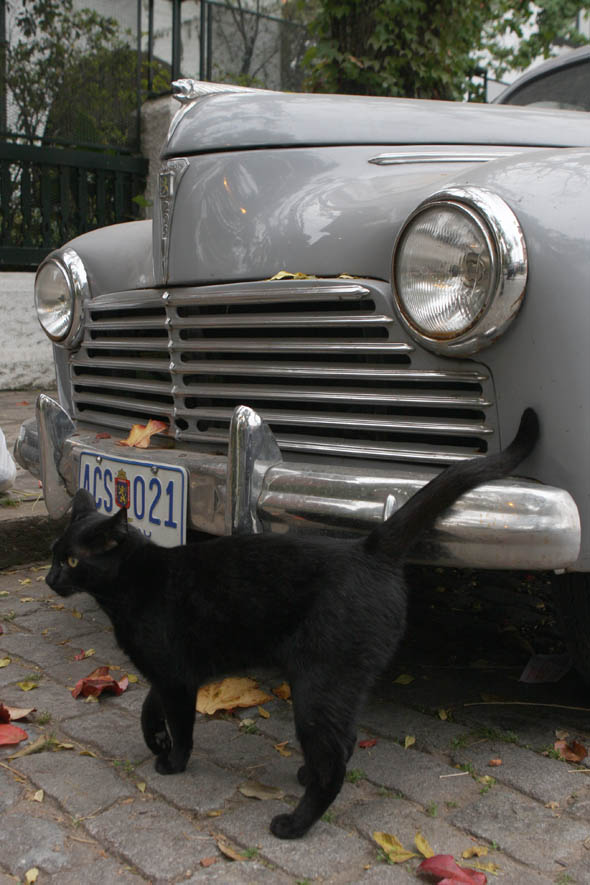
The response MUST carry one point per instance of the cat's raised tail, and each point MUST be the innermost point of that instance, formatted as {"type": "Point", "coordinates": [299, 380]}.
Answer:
{"type": "Point", "coordinates": [397, 535]}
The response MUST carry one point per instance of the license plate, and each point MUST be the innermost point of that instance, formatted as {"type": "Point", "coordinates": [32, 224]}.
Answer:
{"type": "Point", "coordinates": [154, 495]}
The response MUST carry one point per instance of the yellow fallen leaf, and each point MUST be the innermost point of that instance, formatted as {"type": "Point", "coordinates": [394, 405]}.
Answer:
{"type": "Point", "coordinates": [264, 713]}
{"type": "Point", "coordinates": [229, 850]}
{"type": "Point", "coordinates": [27, 599]}
{"type": "Point", "coordinates": [31, 876]}
{"type": "Point", "coordinates": [282, 749]}
{"type": "Point", "coordinates": [4, 662]}
{"type": "Point", "coordinates": [140, 434]}
{"type": "Point", "coordinates": [76, 613]}
{"type": "Point", "coordinates": [423, 845]}
{"type": "Point", "coordinates": [27, 686]}
{"type": "Point", "coordinates": [409, 741]}
{"type": "Point", "coordinates": [404, 679]}
{"type": "Point", "coordinates": [38, 796]}
{"type": "Point", "coordinates": [475, 851]}
{"type": "Point", "coordinates": [25, 581]}
{"type": "Point", "coordinates": [283, 691]}
{"type": "Point", "coordinates": [392, 847]}
{"type": "Point", "coordinates": [229, 693]}
{"type": "Point", "coordinates": [442, 714]}
{"type": "Point", "coordinates": [215, 813]}
{"type": "Point", "coordinates": [488, 867]}
{"type": "Point", "coordinates": [87, 752]}
{"type": "Point", "coordinates": [141, 786]}
{"type": "Point", "coordinates": [256, 790]}
{"type": "Point", "coordinates": [287, 275]}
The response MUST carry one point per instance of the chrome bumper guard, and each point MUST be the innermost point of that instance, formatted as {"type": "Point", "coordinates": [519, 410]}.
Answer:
{"type": "Point", "coordinates": [508, 524]}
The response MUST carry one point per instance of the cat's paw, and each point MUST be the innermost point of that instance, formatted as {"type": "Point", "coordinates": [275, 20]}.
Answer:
{"type": "Point", "coordinates": [159, 742]}
{"type": "Point", "coordinates": [285, 826]}
{"type": "Point", "coordinates": [166, 764]}
{"type": "Point", "coordinates": [303, 776]}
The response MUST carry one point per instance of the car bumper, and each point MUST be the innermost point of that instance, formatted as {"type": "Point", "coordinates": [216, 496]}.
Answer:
{"type": "Point", "coordinates": [512, 523]}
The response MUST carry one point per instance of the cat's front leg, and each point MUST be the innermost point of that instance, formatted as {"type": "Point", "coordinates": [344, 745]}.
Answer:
{"type": "Point", "coordinates": [178, 703]}
{"type": "Point", "coordinates": [153, 724]}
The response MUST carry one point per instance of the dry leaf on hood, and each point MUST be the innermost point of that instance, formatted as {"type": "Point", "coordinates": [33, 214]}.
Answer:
{"type": "Point", "coordinates": [392, 847]}
{"type": "Point", "coordinates": [235, 691]}
{"type": "Point", "coordinates": [140, 434]}
{"type": "Point", "coordinates": [98, 681]}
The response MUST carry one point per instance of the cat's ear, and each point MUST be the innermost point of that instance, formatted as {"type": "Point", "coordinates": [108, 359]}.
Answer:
{"type": "Point", "coordinates": [83, 503]}
{"type": "Point", "coordinates": [117, 529]}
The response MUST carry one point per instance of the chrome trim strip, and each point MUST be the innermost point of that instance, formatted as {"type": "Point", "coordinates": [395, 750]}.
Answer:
{"type": "Point", "coordinates": [511, 523]}
{"type": "Point", "coordinates": [401, 158]}
{"type": "Point", "coordinates": [169, 179]}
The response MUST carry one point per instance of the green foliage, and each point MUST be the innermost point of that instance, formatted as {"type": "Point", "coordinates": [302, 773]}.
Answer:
{"type": "Point", "coordinates": [421, 49]}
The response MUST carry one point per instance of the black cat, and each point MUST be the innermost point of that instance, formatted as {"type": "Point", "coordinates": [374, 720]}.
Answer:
{"type": "Point", "coordinates": [329, 612]}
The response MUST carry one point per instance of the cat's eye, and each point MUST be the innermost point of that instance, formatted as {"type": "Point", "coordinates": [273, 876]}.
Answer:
{"type": "Point", "coordinates": [72, 561]}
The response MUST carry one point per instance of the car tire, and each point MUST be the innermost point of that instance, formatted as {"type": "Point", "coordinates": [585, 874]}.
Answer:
{"type": "Point", "coordinates": [571, 596]}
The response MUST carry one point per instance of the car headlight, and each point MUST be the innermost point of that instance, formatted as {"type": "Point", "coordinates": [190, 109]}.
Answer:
{"type": "Point", "coordinates": [459, 270]}
{"type": "Point", "coordinates": [61, 286]}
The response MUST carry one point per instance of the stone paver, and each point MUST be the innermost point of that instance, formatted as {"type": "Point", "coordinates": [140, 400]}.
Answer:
{"type": "Point", "coordinates": [109, 817]}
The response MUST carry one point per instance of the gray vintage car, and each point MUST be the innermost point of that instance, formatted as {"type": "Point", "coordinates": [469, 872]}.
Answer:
{"type": "Point", "coordinates": [338, 296]}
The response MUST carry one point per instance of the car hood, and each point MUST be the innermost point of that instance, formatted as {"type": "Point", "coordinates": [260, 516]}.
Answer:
{"type": "Point", "coordinates": [232, 121]}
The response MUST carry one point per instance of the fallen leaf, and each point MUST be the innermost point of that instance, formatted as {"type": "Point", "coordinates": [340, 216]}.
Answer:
{"type": "Point", "coordinates": [24, 581]}
{"type": "Point", "coordinates": [495, 762]}
{"type": "Point", "coordinates": [404, 679]}
{"type": "Point", "coordinates": [103, 435]}
{"type": "Point", "coordinates": [216, 813]}
{"type": "Point", "coordinates": [141, 786]}
{"type": "Point", "coordinates": [256, 790]}
{"type": "Point", "coordinates": [16, 713]}
{"type": "Point", "coordinates": [132, 678]}
{"type": "Point", "coordinates": [27, 599]}
{"type": "Point", "coordinates": [140, 434]}
{"type": "Point", "coordinates": [4, 662]}
{"type": "Point", "coordinates": [264, 713]}
{"type": "Point", "coordinates": [98, 681]}
{"type": "Point", "coordinates": [474, 851]}
{"type": "Point", "coordinates": [11, 734]}
{"type": "Point", "coordinates": [287, 275]}
{"type": "Point", "coordinates": [22, 402]}
{"type": "Point", "coordinates": [230, 693]}
{"type": "Point", "coordinates": [409, 741]}
{"type": "Point", "coordinates": [84, 654]}
{"type": "Point", "coordinates": [444, 867]}
{"type": "Point", "coordinates": [281, 748]}
{"type": "Point", "coordinates": [368, 743]}
{"type": "Point", "coordinates": [208, 861]}
{"type": "Point", "coordinates": [229, 850]}
{"type": "Point", "coordinates": [443, 714]}
{"type": "Point", "coordinates": [38, 796]}
{"type": "Point", "coordinates": [392, 847]}
{"type": "Point", "coordinates": [552, 805]}
{"type": "Point", "coordinates": [283, 691]}
{"type": "Point", "coordinates": [36, 747]}
{"type": "Point", "coordinates": [573, 751]}
{"type": "Point", "coordinates": [27, 686]}
{"type": "Point", "coordinates": [31, 876]}
{"type": "Point", "coordinates": [423, 845]}
{"type": "Point", "coordinates": [561, 734]}
{"type": "Point", "coordinates": [489, 866]}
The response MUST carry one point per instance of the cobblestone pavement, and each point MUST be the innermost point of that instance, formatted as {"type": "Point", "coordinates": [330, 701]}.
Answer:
{"type": "Point", "coordinates": [88, 807]}
{"type": "Point", "coordinates": [107, 817]}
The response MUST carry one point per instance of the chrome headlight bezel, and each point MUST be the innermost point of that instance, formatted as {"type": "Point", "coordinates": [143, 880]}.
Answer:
{"type": "Point", "coordinates": [508, 269]}
{"type": "Point", "coordinates": [69, 264]}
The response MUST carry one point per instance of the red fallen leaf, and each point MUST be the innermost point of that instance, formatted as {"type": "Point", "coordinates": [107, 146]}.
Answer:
{"type": "Point", "coordinates": [98, 681]}
{"type": "Point", "coordinates": [4, 713]}
{"type": "Point", "coordinates": [365, 745]}
{"type": "Point", "coordinates": [449, 872]}
{"type": "Point", "coordinates": [208, 861]}
{"type": "Point", "coordinates": [103, 435]}
{"type": "Point", "coordinates": [11, 734]}
{"type": "Point", "coordinates": [23, 402]}
{"type": "Point", "coordinates": [573, 751]}
{"type": "Point", "coordinates": [140, 434]}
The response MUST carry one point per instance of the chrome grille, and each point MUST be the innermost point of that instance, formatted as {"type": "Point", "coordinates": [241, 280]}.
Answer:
{"type": "Point", "coordinates": [322, 361]}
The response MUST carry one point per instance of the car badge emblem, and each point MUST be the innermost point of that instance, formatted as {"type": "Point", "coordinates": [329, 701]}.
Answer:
{"type": "Point", "coordinates": [169, 179]}
{"type": "Point", "coordinates": [122, 490]}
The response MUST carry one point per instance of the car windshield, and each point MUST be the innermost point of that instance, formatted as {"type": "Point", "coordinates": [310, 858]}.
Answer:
{"type": "Point", "coordinates": [567, 88]}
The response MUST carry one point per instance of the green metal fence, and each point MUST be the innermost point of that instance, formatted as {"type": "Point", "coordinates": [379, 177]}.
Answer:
{"type": "Point", "coordinates": [49, 195]}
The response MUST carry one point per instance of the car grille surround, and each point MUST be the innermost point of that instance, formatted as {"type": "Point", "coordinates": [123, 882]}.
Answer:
{"type": "Point", "coordinates": [324, 362]}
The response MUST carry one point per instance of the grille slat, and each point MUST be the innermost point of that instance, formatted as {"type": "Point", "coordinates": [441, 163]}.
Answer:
{"type": "Point", "coordinates": [323, 362]}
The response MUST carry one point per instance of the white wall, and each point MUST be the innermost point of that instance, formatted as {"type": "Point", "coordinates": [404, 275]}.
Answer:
{"type": "Point", "coordinates": [26, 356]}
